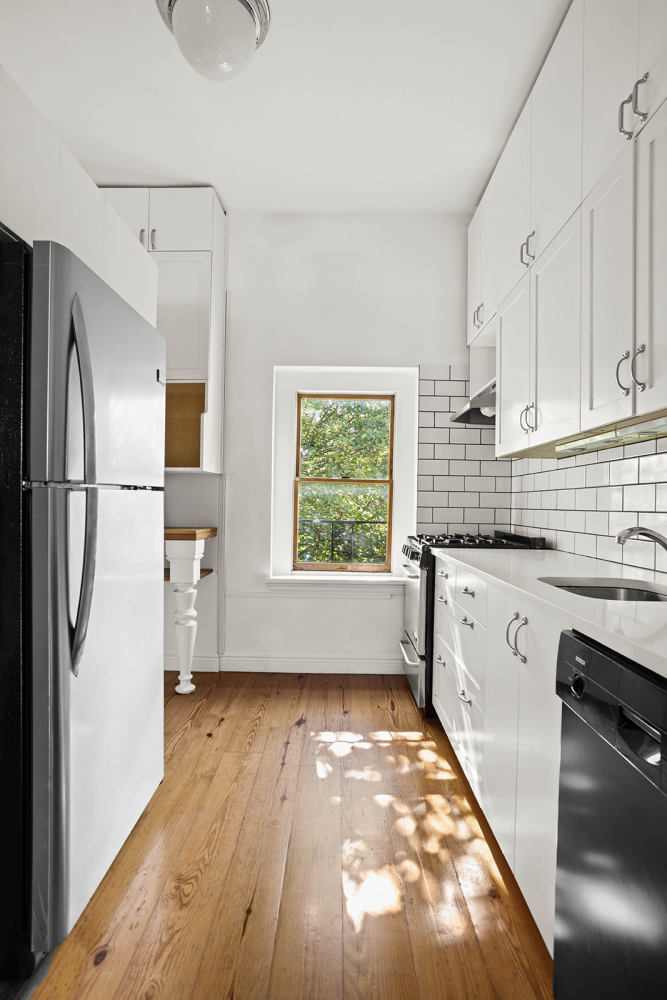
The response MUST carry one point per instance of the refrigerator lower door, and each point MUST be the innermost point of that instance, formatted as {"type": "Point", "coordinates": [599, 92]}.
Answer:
{"type": "Point", "coordinates": [99, 735]}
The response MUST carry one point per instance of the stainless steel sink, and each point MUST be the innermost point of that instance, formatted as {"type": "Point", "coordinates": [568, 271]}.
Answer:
{"type": "Point", "coordinates": [608, 589]}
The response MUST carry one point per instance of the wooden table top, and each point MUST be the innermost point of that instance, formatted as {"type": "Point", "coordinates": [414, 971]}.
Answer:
{"type": "Point", "coordinates": [188, 534]}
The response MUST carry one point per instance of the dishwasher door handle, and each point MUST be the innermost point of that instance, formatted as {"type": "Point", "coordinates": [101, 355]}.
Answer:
{"type": "Point", "coordinates": [410, 663]}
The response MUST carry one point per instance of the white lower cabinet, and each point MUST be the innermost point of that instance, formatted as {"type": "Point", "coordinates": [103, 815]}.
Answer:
{"type": "Point", "coordinates": [537, 773]}
{"type": "Point", "coordinates": [503, 719]}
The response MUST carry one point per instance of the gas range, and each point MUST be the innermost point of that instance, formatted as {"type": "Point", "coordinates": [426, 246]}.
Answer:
{"type": "Point", "coordinates": [419, 546]}
{"type": "Point", "coordinates": [419, 575]}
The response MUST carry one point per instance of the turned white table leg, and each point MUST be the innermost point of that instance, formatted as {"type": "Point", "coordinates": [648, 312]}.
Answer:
{"type": "Point", "coordinates": [184, 559]}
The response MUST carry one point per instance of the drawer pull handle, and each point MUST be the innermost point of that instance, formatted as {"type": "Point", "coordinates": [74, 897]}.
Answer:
{"type": "Point", "coordinates": [470, 593]}
{"type": "Point", "coordinates": [153, 235]}
{"type": "Point", "coordinates": [524, 621]}
{"type": "Point", "coordinates": [443, 600]}
{"type": "Point", "coordinates": [466, 701]}
{"type": "Point", "coordinates": [464, 621]}
{"type": "Point", "coordinates": [626, 390]}
{"type": "Point", "coordinates": [640, 385]}
{"type": "Point", "coordinates": [507, 633]}
{"type": "Point", "coordinates": [441, 572]}
{"type": "Point", "coordinates": [621, 118]}
{"type": "Point", "coordinates": [439, 659]}
{"type": "Point", "coordinates": [642, 115]}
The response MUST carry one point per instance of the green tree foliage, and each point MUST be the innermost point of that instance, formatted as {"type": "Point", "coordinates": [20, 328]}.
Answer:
{"type": "Point", "coordinates": [344, 522]}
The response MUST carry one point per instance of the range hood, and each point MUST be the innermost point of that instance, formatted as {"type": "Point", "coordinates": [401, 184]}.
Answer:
{"type": "Point", "coordinates": [480, 408]}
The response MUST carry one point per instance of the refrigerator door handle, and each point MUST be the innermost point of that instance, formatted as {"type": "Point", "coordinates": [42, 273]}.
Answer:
{"type": "Point", "coordinates": [87, 393]}
{"type": "Point", "coordinates": [80, 628]}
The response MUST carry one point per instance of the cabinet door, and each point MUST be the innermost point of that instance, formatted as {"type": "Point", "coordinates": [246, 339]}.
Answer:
{"type": "Point", "coordinates": [555, 302]}
{"type": "Point", "coordinates": [474, 272]}
{"type": "Point", "coordinates": [183, 312]}
{"type": "Point", "coordinates": [651, 334]}
{"type": "Point", "coordinates": [538, 763]}
{"type": "Point", "coordinates": [555, 146]}
{"type": "Point", "coordinates": [513, 205]}
{"type": "Point", "coordinates": [611, 36]}
{"type": "Point", "coordinates": [181, 218]}
{"type": "Point", "coordinates": [652, 55]}
{"type": "Point", "coordinates": [513, 363]}
{"type": "Point", "coordinates": [501, 720]}
{"type": "Point", "coordinates": [132, 206]}
{"type": "Point", "coordinates": [607, 290]}
{"type": "Point", "coordinates": [487, 277]}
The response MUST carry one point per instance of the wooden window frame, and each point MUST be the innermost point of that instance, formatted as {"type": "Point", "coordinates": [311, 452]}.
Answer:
{"type": "Point", "coordinates": [343, 567]}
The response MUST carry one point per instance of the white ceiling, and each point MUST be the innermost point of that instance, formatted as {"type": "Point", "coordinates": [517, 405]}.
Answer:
{"type": "Point", "coordinates": [349, 106]}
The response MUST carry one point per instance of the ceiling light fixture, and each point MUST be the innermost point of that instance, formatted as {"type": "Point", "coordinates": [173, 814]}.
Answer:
{"type": "Point", "coordinates": [217, 37]}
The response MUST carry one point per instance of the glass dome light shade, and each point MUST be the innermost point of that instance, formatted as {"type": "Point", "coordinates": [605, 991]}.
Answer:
{"type": "Point", "coordinates": [217, 37]}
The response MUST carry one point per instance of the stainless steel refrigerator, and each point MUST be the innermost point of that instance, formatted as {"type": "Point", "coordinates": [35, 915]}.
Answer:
{"type": "Point", "coordinates": [84, 584]}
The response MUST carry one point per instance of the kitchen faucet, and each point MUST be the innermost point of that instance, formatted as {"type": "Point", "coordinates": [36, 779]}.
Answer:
{"type": "Point", "coordinates": [655, 536]}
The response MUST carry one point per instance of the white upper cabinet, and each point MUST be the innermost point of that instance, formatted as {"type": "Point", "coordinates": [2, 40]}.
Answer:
{"type": "Point", "coordinates": [181, 218]}
{"type": "Point", "coordinates": [482, 300]}
{"type": "Point", "coordinates": [556, 139]}
{"type": "Point", "coordinates": [184, 312]}
{"type": "Point", "coordinates": [650, 357]}
{"type": "Point", "coordinates": [512, 216]}
{"type": "Point", "coordinates": [513, 368]}
{"type": "Point", "coordinates": [487, 277]}
{"type": "Point", "coordinates": [132, 206]}
{"type": "Point", "coordinates": [607, 295]}
{"type": "Point", "coordinates": [555, 305]}
{"type": "Point", "coordinates": [474, 274]}
{"type": "Point", "coordinates": [651, 92]}
{"type": "Point", "coordinates": [611, 40]}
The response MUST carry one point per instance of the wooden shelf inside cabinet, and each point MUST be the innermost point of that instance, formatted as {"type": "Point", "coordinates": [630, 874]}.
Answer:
{"type": "Point", "coordinates": [184, 405]}
{"type": "Point", "coordinates": [202, 574]}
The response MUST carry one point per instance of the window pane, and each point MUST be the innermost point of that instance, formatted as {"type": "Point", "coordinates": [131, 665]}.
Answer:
{"type": "Point", "coordinates": [342, 523]}
{"type": "Point", "coordinates": [345, 438]}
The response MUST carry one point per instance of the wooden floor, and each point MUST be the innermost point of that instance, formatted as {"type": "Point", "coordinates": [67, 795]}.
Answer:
{"type": "Point", "coordinates": [312, 840]}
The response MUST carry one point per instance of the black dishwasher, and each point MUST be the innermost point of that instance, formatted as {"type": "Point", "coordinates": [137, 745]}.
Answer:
{"type": "Point", "coordinates": [611, 883]}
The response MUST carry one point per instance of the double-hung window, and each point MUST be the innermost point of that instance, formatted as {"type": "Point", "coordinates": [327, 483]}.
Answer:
{"type": "Point", "coordinates": [344, 483]}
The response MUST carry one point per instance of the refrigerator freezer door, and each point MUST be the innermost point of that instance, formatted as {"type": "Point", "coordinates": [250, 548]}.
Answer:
{"type": "Point", "coordinates": [125, 355]}
{"type": "Point", "coordinates": [101, 732]}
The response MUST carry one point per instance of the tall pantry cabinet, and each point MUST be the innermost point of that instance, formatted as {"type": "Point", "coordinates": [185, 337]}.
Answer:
{"type": "Point", "coordinates": [184, 231]}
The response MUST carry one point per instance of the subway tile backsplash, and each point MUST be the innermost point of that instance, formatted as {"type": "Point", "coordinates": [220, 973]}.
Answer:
{"type": "Point", "coordinates": [580, 504]}
{"type": "Point", "coordinates": [461, 486]}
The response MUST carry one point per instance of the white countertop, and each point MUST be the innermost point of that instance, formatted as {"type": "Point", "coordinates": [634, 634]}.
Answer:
{"type": "Point", "coordinates": [637, 629]}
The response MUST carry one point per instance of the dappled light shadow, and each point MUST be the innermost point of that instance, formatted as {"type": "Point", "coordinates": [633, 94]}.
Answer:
{"type": "Point", "coordinates": [427, 830]}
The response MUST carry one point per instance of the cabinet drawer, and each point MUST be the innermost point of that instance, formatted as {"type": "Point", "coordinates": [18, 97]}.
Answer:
{"type": "Point", "coordinates": [471, 595]}
{"type": "Point", "coordinates": [445, 578]}
{"type": "Point", "coordinates": [444, 625]}
{"type": "Point", "coordinates": [463, 646]}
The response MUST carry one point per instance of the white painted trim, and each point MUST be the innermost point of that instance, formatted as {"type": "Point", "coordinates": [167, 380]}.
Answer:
{"type": "Point", "coordinates": [352, 587]}
{"type": "Point", "coordinates": [203, 664]}
{"type": "Point", "coordinates": [303, 664]}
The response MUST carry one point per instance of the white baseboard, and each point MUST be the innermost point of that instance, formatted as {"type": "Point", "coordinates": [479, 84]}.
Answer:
{"type": "Point", "coordinates": [254, 663]}
{"type": "Point", "coordinates": [202, 664]}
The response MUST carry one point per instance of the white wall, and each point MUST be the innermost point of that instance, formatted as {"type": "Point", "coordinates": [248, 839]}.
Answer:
{"type": "Point", "coordinates": [366, 290]}
{"type": "Point", "coordinates": [46, 195]}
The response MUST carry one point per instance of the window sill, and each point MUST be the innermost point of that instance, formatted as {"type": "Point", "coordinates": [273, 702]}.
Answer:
{"type": "Point", "coordinates": [348, 586]}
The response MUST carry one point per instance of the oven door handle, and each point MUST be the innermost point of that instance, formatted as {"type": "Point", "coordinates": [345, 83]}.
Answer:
{"type": "Point", "coordinates": [412, 576]}
{"type": "Point", "coordinates": [411, 663]}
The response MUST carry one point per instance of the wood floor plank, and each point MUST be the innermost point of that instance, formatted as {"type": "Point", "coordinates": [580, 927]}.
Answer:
{"type": "Point", "coordinates": [308, 951]}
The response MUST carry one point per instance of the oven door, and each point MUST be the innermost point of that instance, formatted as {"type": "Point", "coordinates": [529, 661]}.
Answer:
{"type": "Point", "coordinates": [415, 671]}
{"type": "Point", "coordinates": [414, 610]}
